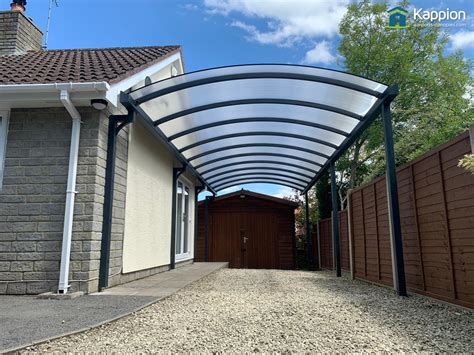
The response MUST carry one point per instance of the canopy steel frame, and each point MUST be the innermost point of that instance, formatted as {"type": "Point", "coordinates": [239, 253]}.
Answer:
{"type": "Point", "coordinates": [260, 133]}
{"type": "Point", "coordinates": [256, 102]}
{"type": "Point", "coordinates": [264, 177]}
{"type": "Point", "coordinates": [202, 91]}
{"type": "Point", "coordinates": [251, 145]}
{"type": "Point", "coordinates": [309, 236]}
{"type": "Point", "coordinates": [258, 162]}
{"type": "Point", "coordinates": [335, 222]}
{"type": "Point", "coordinates": [259, 174]}
{"type": "Point", "coordinates": [257, 119]}
{"type": "Point", "coordinates": [259, 182]}
{"type": "Point", "coordinates": [256, 168]}
{"type": "Point", "coordinates": [292, 157]}
{"type": "Point", "coordinates": [256, 75]}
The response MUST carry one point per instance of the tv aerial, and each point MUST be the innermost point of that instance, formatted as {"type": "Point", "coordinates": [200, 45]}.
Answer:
{"type": "Point", "coordinates": [49, 21]}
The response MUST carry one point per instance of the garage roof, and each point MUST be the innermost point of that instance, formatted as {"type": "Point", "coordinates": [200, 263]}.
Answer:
{"type": "Point", "coordinates": [281, 124]}
{"type": "Point", "coordinates": [242, 192]}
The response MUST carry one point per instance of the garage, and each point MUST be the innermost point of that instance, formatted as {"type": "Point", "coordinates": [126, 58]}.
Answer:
{"type": "Point", "coordinates": [247, 230]}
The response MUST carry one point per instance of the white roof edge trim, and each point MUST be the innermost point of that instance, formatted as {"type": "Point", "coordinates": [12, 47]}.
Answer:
{"type": "Point", "coordinates": [113, 94]}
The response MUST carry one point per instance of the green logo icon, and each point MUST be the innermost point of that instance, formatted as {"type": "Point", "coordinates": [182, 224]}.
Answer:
{"type": "Point", "coordinates": [397, 18]}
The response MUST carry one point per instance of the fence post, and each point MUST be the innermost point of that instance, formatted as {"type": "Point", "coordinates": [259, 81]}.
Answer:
{"type": "Point", "coordinates": [349, 229]}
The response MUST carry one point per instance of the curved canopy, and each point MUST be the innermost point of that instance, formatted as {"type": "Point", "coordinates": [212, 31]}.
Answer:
{"type": "Point", "coordinates": [281, 124]}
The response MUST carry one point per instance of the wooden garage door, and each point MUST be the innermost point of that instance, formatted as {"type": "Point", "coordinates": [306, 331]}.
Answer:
{"type": "Point", "coordinates": [224, 238]}
{"type": "Point", "coordinates": [261, 231]}
{"type": "Point", "coordinates": [245, 240]}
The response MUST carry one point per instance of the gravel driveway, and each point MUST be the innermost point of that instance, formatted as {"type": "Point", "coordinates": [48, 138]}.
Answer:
{"type": "Point", "coordinates": [283, 311]}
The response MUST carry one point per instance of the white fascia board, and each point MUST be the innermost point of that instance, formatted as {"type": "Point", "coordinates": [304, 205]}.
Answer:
{"type": "Point", "coordinates": [42, 95]}
{"type": "Point", "coordinates": [115, 89]}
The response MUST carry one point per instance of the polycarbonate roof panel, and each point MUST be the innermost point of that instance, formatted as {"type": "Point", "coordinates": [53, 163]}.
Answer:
{"type": "Point", "coordinates": [256, 150]}
{"type": "Point", "coordinates": [265, 174]}
{"type": "Point", "coordinates": [259, 180]}
{"type": "Point", "coordinates": [260, 140]}
{"type": "Point", "coordinates": [261, 158]}
{"type": "Point", "coordinates": [241, 172]}
{"type": "Point", "coordinates": [221, 115]}
{"type": "Point", "coordinates": [286, 121]}
{"type": "Point", "coordinates": [253, 165]}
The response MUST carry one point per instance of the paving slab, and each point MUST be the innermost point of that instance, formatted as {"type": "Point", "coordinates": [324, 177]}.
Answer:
{"type": "Point", "coordinates": [27, 320]}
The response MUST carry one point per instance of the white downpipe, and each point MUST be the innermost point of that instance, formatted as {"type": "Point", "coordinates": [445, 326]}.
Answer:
{"type": "Point", "coordinates": [70, 192]}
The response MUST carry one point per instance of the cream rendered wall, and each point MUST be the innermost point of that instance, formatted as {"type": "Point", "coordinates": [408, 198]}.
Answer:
{"type": "Point", "coordinates": [148, 202]}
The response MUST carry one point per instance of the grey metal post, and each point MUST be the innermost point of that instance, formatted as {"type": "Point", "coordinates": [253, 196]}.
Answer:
{"type": "Point", "coordinates": [393, 207]}
{"type": "Point", "coordinates": [206, 228]}
{"type": "Point", "coordinates": [173, 219]}
{"type": "Point", "coordinates": [197, 190]}
{"type": "Point", "coordinates": [335, 222]}
{"type": "Point", "coordinates": [116, 124]}
{"type": "Point", "coordinates": [309, 241]}
{"type": "Point", "coordinates": [349, 225]}
{"type": "Point", "coordinates": [319, 244]}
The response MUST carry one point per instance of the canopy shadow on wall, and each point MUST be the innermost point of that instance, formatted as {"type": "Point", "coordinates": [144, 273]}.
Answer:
{"type": "Point", "coordinates": [281, 124]}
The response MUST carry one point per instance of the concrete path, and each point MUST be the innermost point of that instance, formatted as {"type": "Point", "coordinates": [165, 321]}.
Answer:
{"type": "Point", "coordinates": [26, 320]}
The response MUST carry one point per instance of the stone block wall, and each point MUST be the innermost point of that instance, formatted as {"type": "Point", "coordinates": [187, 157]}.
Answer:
{"type": "Point", "coordinates": [32, 202]}
{"type": "Point", "coordinates": [33, 197]}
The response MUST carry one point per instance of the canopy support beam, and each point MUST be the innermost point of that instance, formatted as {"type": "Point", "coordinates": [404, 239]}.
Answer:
{"type": "Point", "coordinates": [206, 228]}
{"type": "Point", "coordinates": [176, 173]}
{"type": "Point", "coordinates": [335, 222]}
{"type": "Point", "coordinates": [398, 266]}
{"type": "Point", "coordinates": [116, 123]}
{"type": "Point", "coordinates": [197, 191]}
{"type": "Point", "coordinates": [309, 241]}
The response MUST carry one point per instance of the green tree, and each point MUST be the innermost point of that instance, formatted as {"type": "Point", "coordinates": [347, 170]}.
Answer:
{"type": "Point", "coordinates": [434, 103]}
{"type": "Point", "coordinates": [323, 197]}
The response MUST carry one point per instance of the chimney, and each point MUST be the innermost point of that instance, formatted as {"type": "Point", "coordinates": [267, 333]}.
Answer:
{"type": "Point", "coordinates": [18, 33]}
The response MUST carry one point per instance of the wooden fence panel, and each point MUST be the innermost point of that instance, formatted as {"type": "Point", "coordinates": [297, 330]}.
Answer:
{"type": "Point", "coordinates": [437, 220]}
{"type": "Point", "coordinates": [344, 237]}
{"type": "Point", "coordinates": [326, 242]}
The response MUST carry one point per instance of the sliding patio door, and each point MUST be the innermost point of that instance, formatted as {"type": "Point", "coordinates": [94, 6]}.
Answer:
{"type": "Point", "coordinates": [182, 221]}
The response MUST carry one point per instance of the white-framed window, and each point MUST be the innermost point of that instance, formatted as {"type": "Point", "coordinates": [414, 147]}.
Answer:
{"type": "Point", "coordinates": [183, 221]}
{"type": "Point", "coordinates": [4, 116]}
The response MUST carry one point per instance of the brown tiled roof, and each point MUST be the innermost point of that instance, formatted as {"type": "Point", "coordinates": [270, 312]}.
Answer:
{"type": "Point", "coordinates": [79, 65]}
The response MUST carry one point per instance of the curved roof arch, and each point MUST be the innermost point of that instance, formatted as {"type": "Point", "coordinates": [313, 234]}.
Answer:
{"type": "Point", "coordinates": [274, 123]}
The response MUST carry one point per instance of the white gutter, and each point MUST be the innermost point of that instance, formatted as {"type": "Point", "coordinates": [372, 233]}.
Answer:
{"type": "Point", "coordinates": [75, 87]}
{"type": "Point", "coordinates": [70, 192]}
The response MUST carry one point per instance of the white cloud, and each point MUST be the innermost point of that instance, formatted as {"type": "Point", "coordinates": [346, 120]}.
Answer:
{"type": "Point", "coordinates": [283, 192]}
{"type": "Point", "coordinates": [286, 21]}
{"type": "Point", "coordinates": [462, 40]}
{"type": "Point", "coordinates": [190, 7]}
{"type": "Point", "coordinates": [229, 190]}
{"type": "Point", "coordinates": [320, 54]}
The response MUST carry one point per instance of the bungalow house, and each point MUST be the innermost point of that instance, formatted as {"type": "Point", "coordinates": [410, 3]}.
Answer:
{"type": "Point", "coordinates": [54, 109]}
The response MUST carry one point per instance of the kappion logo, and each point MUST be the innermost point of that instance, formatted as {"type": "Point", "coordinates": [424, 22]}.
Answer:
{"type": "Point", "coordinates": [439, 15]}
{"type": "Point", "coordinates": [398, 17]}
